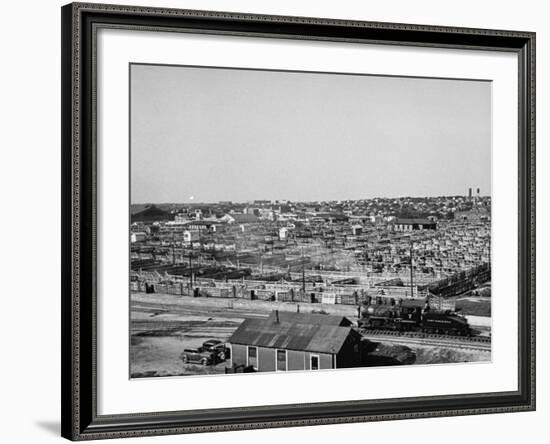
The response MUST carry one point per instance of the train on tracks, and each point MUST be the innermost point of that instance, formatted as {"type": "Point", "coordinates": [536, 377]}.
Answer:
{"type": "Point", "coordinates": [404, 316]}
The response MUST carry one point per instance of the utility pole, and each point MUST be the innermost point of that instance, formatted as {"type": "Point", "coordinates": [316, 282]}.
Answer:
{"type": "Point", "coordinates": [303, 272]}
{"type": "Point", "coordinates": [412, 271]}
{"type": "Point", "coordinates": [173, 248]}
{"type": "Point", "coordinates": [190, 269]}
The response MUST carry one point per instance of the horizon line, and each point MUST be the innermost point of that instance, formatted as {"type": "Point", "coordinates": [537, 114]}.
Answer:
{"type": "Point", "coordinates": [304, 201]}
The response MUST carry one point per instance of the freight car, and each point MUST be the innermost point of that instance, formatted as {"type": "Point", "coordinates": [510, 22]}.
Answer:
{"type": "Point", "coordinates": [398, 317]}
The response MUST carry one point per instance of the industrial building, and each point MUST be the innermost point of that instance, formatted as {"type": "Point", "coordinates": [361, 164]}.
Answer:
{"type": "Point", "coordinates": [191, 236]}
{"type": "Point", "coordinates": [476, 214]}
{"type": "Point", "coordinates": [295, 341]}
{"type": "Point", "coordinates": [138, 237]}
{"type": "Point", "coordinates": [403, 224]}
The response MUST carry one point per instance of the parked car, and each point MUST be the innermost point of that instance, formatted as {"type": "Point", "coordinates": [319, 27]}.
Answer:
{"type": "Point", "coordinates": [218, 347]}
{"type": "Point", "coordinates": [199, 356]}
{"type": "Point", "coordinates": [210, 344]}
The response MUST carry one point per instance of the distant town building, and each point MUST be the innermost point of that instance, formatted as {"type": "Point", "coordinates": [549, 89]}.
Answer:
{"type": "Point", "coordinates": [138, 237]}
{"type": "Point", "coordinates": [376, 219]}
{"type": "Point", "coordinates": [267, 213]}
{"type": "Point", "coordinates": [476, 214]}
{"type": "Point", "coordinates": [140, 227]}
{"type": "Point", "coordinates": [251, 210]}
{"type": "Point", "coordinates": [201, 225]}
{"type": "Point", "coordinates": [357, 230]}
{"type": "Point", "coordinates": [410, 224]}
{"type": "Point", "coordinates": [239, 218]}
{"type": "Point", "coordinates": [181, 218]}
{"type": "Point", "coordinates": [191, 236]}
{"type": "Point", "coordinates": [331, 217]}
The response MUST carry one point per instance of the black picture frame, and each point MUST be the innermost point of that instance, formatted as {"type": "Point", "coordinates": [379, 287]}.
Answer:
{"type": "Point", "coordinates": [79, 395]}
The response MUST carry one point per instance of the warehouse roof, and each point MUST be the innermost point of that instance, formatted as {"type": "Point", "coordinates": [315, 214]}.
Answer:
{"type": "Point", "coordinates": [411, 220]}
{"type": "Point", "coordinates": [309, 318]}
{"type": "Point", "coordinates": [312, 337]}
{"type": "Point", "coordinates": [243, 218]}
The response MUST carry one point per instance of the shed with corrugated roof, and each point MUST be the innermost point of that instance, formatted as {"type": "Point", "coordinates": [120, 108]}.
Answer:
{"type": "Point", "coordinates": [295, 341]}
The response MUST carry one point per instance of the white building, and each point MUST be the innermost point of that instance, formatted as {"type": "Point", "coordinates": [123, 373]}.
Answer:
{"type": "Point", "coordinates": [138, 237]}
{"type": "Point", "coordinates": [181, 218]}
{"type": "Point", "coordinates": [357, 230]}
{"type": "Point", "coordinates": [239, 218]}
{"type": "Point", "coordinates": [190, 236]}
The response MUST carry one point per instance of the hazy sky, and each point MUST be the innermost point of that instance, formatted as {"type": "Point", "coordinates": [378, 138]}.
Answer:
{"type": "Point", "coordinates": [223, 134]}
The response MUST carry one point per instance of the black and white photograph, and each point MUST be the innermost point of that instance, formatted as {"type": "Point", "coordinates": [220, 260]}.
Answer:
{"type": "Point", "coordinates": [307, 221]}
{"type": "Point", "coordinates": [275, 222]}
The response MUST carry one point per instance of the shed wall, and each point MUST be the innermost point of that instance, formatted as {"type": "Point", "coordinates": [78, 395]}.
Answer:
{"type": "Point", "coordinates": [238, 354]}
{"type": "Point", "coordinates": [266, 358]}
{"type": "Point", "coordinates": [296, 360]}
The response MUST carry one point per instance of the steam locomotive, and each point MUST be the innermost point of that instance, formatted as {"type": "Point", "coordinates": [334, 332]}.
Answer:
{"type": "Point", "coordinates": [407, 315]}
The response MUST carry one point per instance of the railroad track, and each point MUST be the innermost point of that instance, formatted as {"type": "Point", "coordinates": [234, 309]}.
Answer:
{"type": "Point", "coordinates": [482, 343]}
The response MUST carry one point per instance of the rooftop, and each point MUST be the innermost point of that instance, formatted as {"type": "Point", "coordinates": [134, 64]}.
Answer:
{"type": "Point", "coordinates": [243, 218]}
{"type": "Point", "coordinates": [310, 318]}
{"type": "Point", "coordinates": [412, 220]}
{"type": "Point", "coordinates": [294, 331]}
